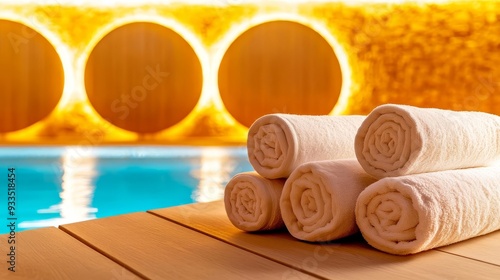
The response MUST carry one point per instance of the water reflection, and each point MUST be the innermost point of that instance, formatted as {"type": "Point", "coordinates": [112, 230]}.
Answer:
{"type": "Point", "coordinates": [216, 168]}
{"type": "Point", "coordinates": [81, 183]}
{"type": "Point", "coordinates": [78, 186]}
{"type": "Point", "coordinates": [77, 189]}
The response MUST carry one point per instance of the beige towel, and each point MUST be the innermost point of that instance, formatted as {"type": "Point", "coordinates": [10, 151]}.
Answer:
{"type": "Point", "coordinates": [252, 202]}
{"type": "Point", "coordinates": [318, 200]}
{"type": "Point", "coordinates": [278, 143]}
{"type": "Point", "coordinates": [397, 140]}
{"type": "Point", "coordinates": [414, 213]}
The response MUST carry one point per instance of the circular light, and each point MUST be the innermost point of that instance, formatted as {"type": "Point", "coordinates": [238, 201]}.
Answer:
{"type": "Point", "coordinates": [279, 67]}
{"type": "Point", "coordinates": [143, 77]}
{"type": "Point", "coordinates": [31, 76]}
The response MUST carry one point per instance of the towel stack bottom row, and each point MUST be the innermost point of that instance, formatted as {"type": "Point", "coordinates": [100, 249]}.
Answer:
{"type": "Point", "coordinates": [409, 179]}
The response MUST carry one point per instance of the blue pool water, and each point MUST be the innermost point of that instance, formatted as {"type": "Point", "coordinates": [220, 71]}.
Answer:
{"type": "Point", "coordinates": [59, 185]}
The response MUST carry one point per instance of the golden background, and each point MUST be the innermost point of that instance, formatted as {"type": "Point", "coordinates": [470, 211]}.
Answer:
{"type": "Point", "coordinates": [224, 63]}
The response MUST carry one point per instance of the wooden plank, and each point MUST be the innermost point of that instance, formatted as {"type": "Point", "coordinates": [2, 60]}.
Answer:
{"type": "Point", "coordinates": [50, 253]}
{"type": "Point", "coordinates": [350, 258]}
{"type": "Point", "coordinates": [484, 248]}
{"type": "Point", "coordinates": [159, 249]}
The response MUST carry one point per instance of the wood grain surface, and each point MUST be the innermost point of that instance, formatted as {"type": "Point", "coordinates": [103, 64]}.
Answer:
{"type": "Point", "coordinates": [484, 248]}
{"type": "Point", "coordinates": [279, 67]}
{"type": "Point", "coordinates": [50, 253]}
{"type": "Point", "coordinates": [31, 76]}
{"type": "Point", "coordinates": [143, 77]}
{"type": "Point", "coordinates": [349, 258]}
{"type": "Point", "coordinates": [159, 249]}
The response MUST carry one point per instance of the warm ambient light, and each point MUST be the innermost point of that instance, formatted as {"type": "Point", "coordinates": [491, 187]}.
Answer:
{"type": "Point", "coordinates": [213, 174]}
{"type": "Point", "coordinates": [425, 53]}
{"type": "Point", "coordinates": [78, 173]}
{"type": "Point", "coordinates": [299, 63]}
{"type": "Point", "coordinates": [151, 75]}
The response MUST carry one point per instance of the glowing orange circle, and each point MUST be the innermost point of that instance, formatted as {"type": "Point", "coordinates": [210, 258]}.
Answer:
{"type": "Point", "coordinates": [31, 76]}
{"type": "Point", "coordinates": [279, 66]}
{"type": "Point", "coordinates": [143, 77]}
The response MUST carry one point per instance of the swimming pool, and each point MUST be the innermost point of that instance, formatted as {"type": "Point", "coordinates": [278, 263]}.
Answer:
{"type": "Point", "coordinates": [59, 185]}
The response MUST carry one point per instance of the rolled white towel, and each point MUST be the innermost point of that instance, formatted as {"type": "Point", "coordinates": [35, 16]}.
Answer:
{"type": "Point", "coordinates": [279, 143]}
{"type": "Point", "coordinates": [252, 202]}
{"type": "Point", "coordinates": [318, 200]}
{"type": "Point", "coordinates": [414, 213]}
{"type": "Point", "coordinates": [397, 140]}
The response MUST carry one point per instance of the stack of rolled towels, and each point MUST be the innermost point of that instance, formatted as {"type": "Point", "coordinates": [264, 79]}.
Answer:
{"type": "Point", "coordinates": [409, 179]}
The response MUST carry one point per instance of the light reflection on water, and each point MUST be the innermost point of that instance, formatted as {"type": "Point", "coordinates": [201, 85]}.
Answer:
{"type": "Point", "coordinates": [216, 167]}
{"type": "Point", "coordinates": [65, 185]}
{"type": "Point", "coordinates": [77, 190]}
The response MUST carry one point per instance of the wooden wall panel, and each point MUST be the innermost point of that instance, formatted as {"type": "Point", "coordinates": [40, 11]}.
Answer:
{"type": "Point", "coordinates": [31, 76]}
{"type": "Point", "coordinates": [143, 77]}
{"type": "Point", "coordinates": [279, 67]}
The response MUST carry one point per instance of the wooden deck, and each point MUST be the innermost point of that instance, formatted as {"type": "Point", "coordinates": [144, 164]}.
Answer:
{"type": "Point", "coordinates": [198, 242]}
